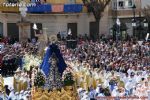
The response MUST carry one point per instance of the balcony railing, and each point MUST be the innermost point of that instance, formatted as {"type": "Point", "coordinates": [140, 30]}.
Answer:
{"type": "Point", "coordinates": [45, 8]}
{"type": "Point", "coordinates": [124, 13]}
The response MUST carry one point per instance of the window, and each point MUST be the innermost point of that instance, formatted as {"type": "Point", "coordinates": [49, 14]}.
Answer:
{"type": "Point", "coordinates": [13, 31]}
{"type": "Point", "coordinates": [121, 4]}
{"type": "Point", "coordinates": [130, 3]}
{"type": "Point", "coordinates": [124, 4]}
{"type": "Point", "coordinates": [114, 5]}
{"type": "Point", "coordinates": [73, 27]}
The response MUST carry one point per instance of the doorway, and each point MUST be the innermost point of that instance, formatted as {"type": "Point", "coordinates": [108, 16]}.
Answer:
{"type": "Point", "coordinates": [13, 31]}
{"type": "Point", "coordinates": [1, 29]}
{"type": "Point", "coordinates": [94, 30]}
{"type": "Point", "coordinates": [73, 27]}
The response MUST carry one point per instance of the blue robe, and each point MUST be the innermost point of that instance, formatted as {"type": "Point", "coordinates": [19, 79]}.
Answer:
{"type": "Point", "coordinates": [45, 66]}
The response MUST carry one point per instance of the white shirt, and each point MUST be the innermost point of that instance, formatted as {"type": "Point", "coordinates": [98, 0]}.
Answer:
{"type": "Point", "coordinates": [138, 78]}
{"type": "Point", "coordinates": [125, 79]}
{"type": "Point", "coordinates": [130, 84]}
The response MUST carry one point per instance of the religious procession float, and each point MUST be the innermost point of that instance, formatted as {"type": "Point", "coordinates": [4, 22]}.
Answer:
{"type": "Point", "coordinates": [49, 77]}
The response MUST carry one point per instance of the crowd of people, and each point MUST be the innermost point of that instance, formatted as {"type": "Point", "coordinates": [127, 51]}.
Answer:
{"type": "Point", "coordinates": [11, 55]}
{"type": "Point", "coordinates": [101, 68]}
{"type": "Point", "coordinates": [110, 69]}
{"type": "Point", "coordinates": [13, 63]}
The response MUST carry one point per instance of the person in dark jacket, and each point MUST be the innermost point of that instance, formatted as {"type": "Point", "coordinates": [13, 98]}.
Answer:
{"type": "Point", "coordinates": [7, 90]}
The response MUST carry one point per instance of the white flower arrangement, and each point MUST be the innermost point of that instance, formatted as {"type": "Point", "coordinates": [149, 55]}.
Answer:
{"type": "Point", "coordinates": [30, 60]}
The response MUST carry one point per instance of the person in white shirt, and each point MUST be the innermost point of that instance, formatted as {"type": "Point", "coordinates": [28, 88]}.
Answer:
{"type": "Point", "coordinates": [138, 77]}
{"type": "Point", "coordinates": [130, 84]}
{"type": "Point", "coordinates": [130, 70]}
{"type": "Point", "coordinates": [125, 79]}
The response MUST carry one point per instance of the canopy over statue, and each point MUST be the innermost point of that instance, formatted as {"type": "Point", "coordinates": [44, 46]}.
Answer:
{"type": "Point", "coordinates": [46, 66]}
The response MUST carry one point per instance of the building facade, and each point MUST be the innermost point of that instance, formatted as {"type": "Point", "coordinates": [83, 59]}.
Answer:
{"type": "Point", "coordinates": [61, 19]}
{"type": "Point", "coordinates": [127, 11]}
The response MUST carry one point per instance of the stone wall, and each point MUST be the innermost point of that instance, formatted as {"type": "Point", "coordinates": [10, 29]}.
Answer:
{"type": "Point", "coordinates": [56, 22]}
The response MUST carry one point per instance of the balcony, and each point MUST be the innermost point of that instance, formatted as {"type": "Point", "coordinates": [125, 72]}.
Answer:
{"type": "Point", "coordinates": [56, 8]}
{"type": "Point", "coordinates": [124, 13]}
{"type": "Point", "coordinates": [44, 8]}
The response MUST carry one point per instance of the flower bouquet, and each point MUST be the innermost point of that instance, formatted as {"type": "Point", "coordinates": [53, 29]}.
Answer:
{"type": "Point", "coordinates": [39, 80]}
{"type": "Point", "coordinates": [68, 79]}
{"type": "Point", "coordinates": [30, 60]}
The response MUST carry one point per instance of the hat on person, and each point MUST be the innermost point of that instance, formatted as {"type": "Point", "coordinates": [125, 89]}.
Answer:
{"type": "Point", "coordinates": [25, 92]}
{"type": "Point", "coordinates": [16, 93]}
{"type": "Point", "coordinates": [21, 92]}
{"type": "Point", "coordinates": [99, 85]}
{"type": "Point", "coordinates": [79, 90]}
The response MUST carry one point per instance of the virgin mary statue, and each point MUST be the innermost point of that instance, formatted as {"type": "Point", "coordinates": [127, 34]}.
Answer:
{"type": "Point", "coordinates": [53, 66]}
{"type": "Point", "coordinates": [54, 80]}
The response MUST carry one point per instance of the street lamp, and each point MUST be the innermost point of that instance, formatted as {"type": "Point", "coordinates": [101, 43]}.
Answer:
{"type": "Point", "coordinates": [133, 23]}
{"type": "Point", "coordinates": [118, 29]}
{"type": "Point", "coordinates": [133, 20]}
{"type": "Point", "coordinates": [145, 23]}
{"type": "Point", "coordinates": [134, 26]}
{"type": "Point", "coordinates": [139, 24]}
